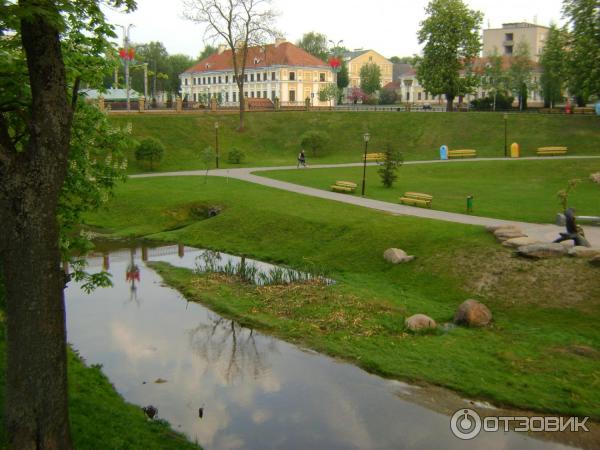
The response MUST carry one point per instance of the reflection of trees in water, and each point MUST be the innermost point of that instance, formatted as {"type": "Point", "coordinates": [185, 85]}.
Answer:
{"type": "Point", "coordinates": [228, 346]}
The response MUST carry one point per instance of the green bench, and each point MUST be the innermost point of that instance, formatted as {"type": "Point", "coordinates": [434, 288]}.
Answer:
{"type": "Point", "coordinates": [343, 186]}
{"type": "Point", "coordinates": [551, 151]}
{"type": "Point", "coordinates": [416, 199]}
{"type": "Point", "coordinates": [466, 153]}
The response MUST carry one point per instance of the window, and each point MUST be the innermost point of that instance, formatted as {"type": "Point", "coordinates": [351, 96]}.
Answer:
{"type": "Point", "coordinates": [273, 76]}
{"type": "Point", "coordinates": [273, 95]}
{"type": "Point", "coordinates": [195, 97]}
{"type": "Point", "coordinates": [245, 78]}
{"type": "Point", "coordinates": [186, 81]}
{"type": "Point", "coordinates": [264, 94]}
{"type": "Point", "coordinates": [246, 94]}
{"type": "Point", "coordinates": [203, 80]}
{"type": "Point", "coordinates": [258, 94]}
{"type": "Point", "coordinates": [322, 77]}
{"type": "Point", "coordinates": [292, 95]}
{"type": "Point", "coordinates": [508, 50]}
{"type": "Point", "coordinates": [292, 77]}
{"type": "Point", "coordinates": [234, 97]}
{"type": "Point", "coordinates": [426, 95]}
{"type": "Point", "coordinates": [214, 80]}
{"type": "Point", "coordinates": [251, 77]}
{"type": "Point", "coordinates": [407, 96]}
{"type": "Point", "coordinates": [419, 96]}
{"type": "Point", "coordinates": [219, 79]}
{"type": "Point", "coordinates": [508, 37]}
{"type": "Point", "coordinates": [208, 80]}
{"type": "Point", "coordinates": [370, 59]}
{"type": "Point", "coordinates": [265, 76]}
{"type": "Point", "coordinates": [258, 77]}
{"type": "Point", "coordinates": [226, 79]}
{"type": "Point", "coordinates": [194, 81]}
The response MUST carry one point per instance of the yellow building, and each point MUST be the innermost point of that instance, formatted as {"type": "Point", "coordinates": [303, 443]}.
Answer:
{"type": "Point", "coordinates": [358, 58]}
{"type": "Point", "coordinates": [505, 39]}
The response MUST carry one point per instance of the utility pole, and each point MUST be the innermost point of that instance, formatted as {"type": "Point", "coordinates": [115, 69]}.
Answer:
{"type": "Point", "coordinates": [126, 60]}
{"type": "Point", "coordinates": [146, 82]}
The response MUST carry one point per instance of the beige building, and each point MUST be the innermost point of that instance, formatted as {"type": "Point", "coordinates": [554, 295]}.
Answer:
{"type": "Point", "coordinates": [506, 38]}
{"type": "Point", "coordinates": [358, 58]}
{"type": "Point", "coordinates": [280, 70]}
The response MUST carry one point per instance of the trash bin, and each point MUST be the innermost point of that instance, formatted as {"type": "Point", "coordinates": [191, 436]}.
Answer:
{"type": "Point", "coordinates": [444, 152]}
{"type": "Point", "coordinates": [470, 204]}
{"type": "Point", "coordinates": [598, 109]}
{"type": "Point", "coordinates": [515, 150]}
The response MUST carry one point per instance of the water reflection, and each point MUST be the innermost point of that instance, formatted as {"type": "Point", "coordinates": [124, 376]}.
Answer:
{"type": "Point", "coordinates": [256, 392]}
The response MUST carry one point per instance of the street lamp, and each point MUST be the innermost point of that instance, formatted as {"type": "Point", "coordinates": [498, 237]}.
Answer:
{"type": "Point", "coordinates": [505, 139]}
{"type": "Point", "coordinates": [217, 141]}
{"type": "Point", "coordinates": [366, 138]}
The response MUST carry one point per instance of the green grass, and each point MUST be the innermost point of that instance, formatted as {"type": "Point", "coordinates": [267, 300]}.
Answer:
{"type": "Point", "coordinates": [100, 418]}
{"type": "Point", "coordinates": [274, 138]}
{"type": "Point", "coordinates": [541, 309]}
{"type": "Point", "coordinates": [513, 190]}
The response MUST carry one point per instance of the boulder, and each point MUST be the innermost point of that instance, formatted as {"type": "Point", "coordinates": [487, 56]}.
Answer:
{"type": "Point", "coordinates": [503, 234]}
{"type": "Point", "coordinates": [584, 252]}
{"type": "Point", "coordinates": [494, 228]}
{"type": "Point", "coordinates": [396, 256]}
{"type": "Point", "coordinates": [419, 322]}
{"type": "Point", "coordinates": [473, 314]}
{"type": "Point", "coordinates": [520, 241]}
{"type": "Point", "coordinates": [542, 251]}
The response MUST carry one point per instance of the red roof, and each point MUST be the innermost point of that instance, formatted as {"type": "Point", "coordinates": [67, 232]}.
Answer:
{"type": "Point", "coordinates": [284, 54]}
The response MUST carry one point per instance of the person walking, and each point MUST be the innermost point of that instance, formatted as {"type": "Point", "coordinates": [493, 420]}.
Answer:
{"type": "Point", "coordinates": [301, 159]}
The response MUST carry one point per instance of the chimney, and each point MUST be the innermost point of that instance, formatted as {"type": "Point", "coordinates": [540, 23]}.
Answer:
{"type": "Point", "coordinates": [279, 41]}
{"type": "Point", "coordinates": [221, 48]}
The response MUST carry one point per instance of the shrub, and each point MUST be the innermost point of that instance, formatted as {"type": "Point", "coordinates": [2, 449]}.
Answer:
{"type": "Point", "coordinates": [151, 150]}
{"type": "Point", "coordinates": [371, 100]}
{"type": "Point", "coordinates": [313, 139]}
{"type": "Point", "coordinates": [235, 156]}
{"type": "Point", "coordinates": [503, 101]}
{"type": "Point", "coordinates": [387, 171]}
{"type": "Point", "coordinates": [387, 97]}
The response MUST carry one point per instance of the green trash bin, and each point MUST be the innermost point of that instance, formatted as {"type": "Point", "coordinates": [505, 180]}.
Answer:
{"type": "Point", "coordinates": [470, 204]}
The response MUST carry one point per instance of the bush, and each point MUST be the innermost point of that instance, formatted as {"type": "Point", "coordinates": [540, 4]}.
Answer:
{"type": "Point", "coordinates": [235, 156]}
{"type": "Point", "coordinates": [387, 171]}
{"type": "Point", "coordinates": [151, 150]}
{"type": "Point", "coordinates": [313, 139]}
{"type": "Point", "coordinates": [387, 97]}
{"type": "Point", "coordinates": [503, 101]}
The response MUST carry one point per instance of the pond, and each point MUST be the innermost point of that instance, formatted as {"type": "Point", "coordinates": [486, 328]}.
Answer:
{"type": "Point", "coordinates": [255, 391]}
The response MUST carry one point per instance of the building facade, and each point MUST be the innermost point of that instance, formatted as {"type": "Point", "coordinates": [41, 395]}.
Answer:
{"type": "Point", "coordinates": [358, 58]}
{"type": "Point", "coordinates": [505, 39]}
{"type": "Point", "coordinates": [280, 70]}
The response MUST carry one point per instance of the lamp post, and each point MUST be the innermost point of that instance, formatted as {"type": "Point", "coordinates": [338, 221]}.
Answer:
{"type": "Point", "coordinates": [366, 138]}
{"type": "Point", "coordinates": [505, 138]}
{"type": "Point", "coordinates": [217, 141]}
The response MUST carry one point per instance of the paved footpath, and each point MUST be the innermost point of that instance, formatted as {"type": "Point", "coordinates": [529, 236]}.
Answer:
{"type": "Point", "coordinates": [543, 232]}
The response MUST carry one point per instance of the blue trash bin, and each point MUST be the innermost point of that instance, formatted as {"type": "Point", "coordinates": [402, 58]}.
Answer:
{"type": "Point", "coordinates": [443, 152]}
{"type": "Point", "coordinates": [598, 109]}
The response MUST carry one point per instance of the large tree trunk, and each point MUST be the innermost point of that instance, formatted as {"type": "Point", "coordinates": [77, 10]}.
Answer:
{"type": "Point", "coordinates": [30, 183]}
{"type": "Point", "coordinates": [449, 103]}
{"type": "Point", "coordinates": [243, 101]}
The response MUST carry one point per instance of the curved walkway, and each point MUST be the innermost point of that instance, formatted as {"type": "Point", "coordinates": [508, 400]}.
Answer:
{"type": "Point", "coordinates": [544, 232]}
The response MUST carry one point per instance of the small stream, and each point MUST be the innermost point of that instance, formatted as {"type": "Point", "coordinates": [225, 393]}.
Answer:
{"type": "Point", "coordinates": [257, 392]}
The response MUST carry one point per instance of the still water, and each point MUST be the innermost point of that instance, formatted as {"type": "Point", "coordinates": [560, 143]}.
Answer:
{"type": "Point", "coordinates": [256, 392]}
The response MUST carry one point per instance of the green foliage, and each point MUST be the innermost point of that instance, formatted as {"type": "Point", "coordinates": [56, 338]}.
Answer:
{"type": "Point", "coordinates": [495, 80]}
{"type": "Point", "coordinates": [206, 52]}
{"type": "Point", "coordinates": [329, 92]}
{"type": "Point", "coordinates": [343, 78]}
{"type": "Point", "coordinates": [313, 139]}
{"type": "Point", "coordinates": [370, 78]}
{"type": "Point", "coordinates": [236, 156]}
{"type": "Point", "coordinates": [404, 59]}
{"type": "Point", "coordinates": [315, 44]}
{"type": "Point", "coordinates": [451, 37]}
{"type": "Point", "coordinates": [388, 96]}
{"type": "Point", "coordinates": [151, 150]}
{"type": "Point", "coordinates": [563, 194]}
{"type": "Point", "coordinates": [520, 80]}
{"type": "Point", "coordinates": [207, 156]}
{"type": "Point", "coordinates": [388, 170]}
{"type": "Point", "coordinates": [584, 48]}
{"type": "Point", "coordinates": [553, 64]}
{"type": "Point", "coordinates": [501, 101]}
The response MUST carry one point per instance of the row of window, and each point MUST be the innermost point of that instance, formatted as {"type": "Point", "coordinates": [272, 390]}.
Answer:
{"type": "Point", "coordinates": [251, 94]}
{"type": "Point", "coordinates": [218, 79]}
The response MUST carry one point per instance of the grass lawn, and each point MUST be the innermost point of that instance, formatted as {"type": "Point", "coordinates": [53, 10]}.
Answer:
{"type": "Point", "coordinates": [541, 353]}
{"type": "Point", "coordinates": [513, 190]}
{"type": "Point", "coordinates": [100, 418]}
{"type": "Point", "coordinates": [274, 138]}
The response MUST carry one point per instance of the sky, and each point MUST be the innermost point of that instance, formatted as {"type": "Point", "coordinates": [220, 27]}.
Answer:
{"type": "Point", "coordinates": [386, 26]}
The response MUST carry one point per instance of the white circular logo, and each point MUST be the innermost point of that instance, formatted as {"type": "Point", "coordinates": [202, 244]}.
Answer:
{"type": "Point", "coordinates": [465, 424]}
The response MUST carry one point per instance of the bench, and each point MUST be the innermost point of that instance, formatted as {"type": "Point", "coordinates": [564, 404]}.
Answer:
{"type": "Point", "coordinates": [551, 151]}
{"type": "Point", "coordinates": [377, 157]}
{"type": "Point", "coordinates": [343, 186]}
{"type": "Point", "coordinates": [468, 153]}
{"type": "Point", "coordinates": [416, 199]}
{"type": "Point", "coordinates": [583, 110]}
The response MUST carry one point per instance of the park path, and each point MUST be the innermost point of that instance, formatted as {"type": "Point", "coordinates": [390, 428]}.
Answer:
{"type": "Point", "coordinates": [543, 232]}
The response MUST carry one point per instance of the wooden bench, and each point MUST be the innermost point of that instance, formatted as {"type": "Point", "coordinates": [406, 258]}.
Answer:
{"type": "Point", "coordinates": [416, 199]}
{"type": "Point", "coordinates": [583, 110]}
{"type": "Point", "coordinates": [551, 151]}
{"type": "Point", "coordinates": [377, 157]}
{"type": "Point", "coordinates": [343, 186]}
{"type": "Point", "coordinates": [468, 153]}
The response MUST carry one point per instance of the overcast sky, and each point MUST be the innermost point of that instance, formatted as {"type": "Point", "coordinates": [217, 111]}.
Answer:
{"type": "Point", "coordinates": [386, 26]}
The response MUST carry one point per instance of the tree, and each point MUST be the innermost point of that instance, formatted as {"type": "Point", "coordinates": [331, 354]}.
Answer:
{"type": "Point", "coordinates": [451, 37]}
{"type": "Point", "coordinates": [553, 65]}
{"type": "Point", "coordinates": [404, 59]}
{"type": "Point", "coordinates": [389, 168]}
{"type": "Point", "coordinates": [313, 139]}
{"type": "Point", "coordinates": [519, 73]}
{"type": "Point", "coordinates": [53, 47]}
{"type": "Point", "coordinates": [356, 94]}
{"type": "Point", "coordinates": [206, 52]}
{"type": "Point", "coordinates": [207, 156]}
{"type": "Point", "coordinates": [315, 44]}
{"type": "Point", "coordinates": [176, 64]}
{"type": "Point", "coordinates": [241, 24]}
{"type": "Point", "coordinates": [150, 149]}
{"type": "Point", "coordinates": [343, 79]}
{"type": "Point", "coordinates": [155, 54]}
{"type": "Point", "coordinates": [388, 96]}
{"type": "Point", "coordinates": [329, 92]}
{"type": "Point", "coordinates": [495, 79]}
{"type": "Point", "coordinates": [370, 78]}
{"type": "Point", "coordinates": [584, 48]}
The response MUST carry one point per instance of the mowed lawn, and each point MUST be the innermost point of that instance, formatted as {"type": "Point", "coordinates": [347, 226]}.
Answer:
{"type": "Point", "coordinates": [513, 190]}
{"type": "Point", "coordinates": [273, 138]}
{"type": "Point", "coordinates": [541, 353]}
